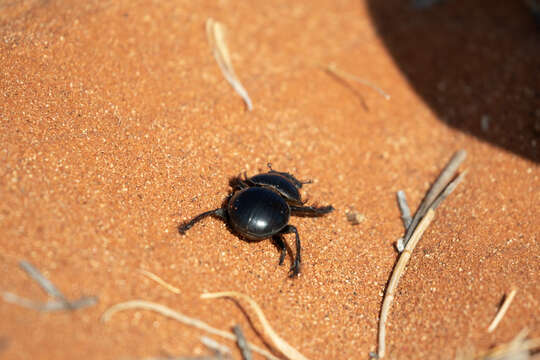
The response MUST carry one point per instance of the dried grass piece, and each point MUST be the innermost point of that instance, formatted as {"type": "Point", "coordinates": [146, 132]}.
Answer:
{"type": "Point", "coordinates": [502, 311]}
{"type": "Point", "coordinates": [399, 269]}
{"type": "Point", "coordinates": [57, 305]}
{"type": "Point", "coordinates": [279, 343]}
{"type": "Point", "coordinates": [60, 302]}
{"type": "Point", "coordinates": [242, 343]}
{"type": "Point", "coordinates": [215, 33]}
{"type": "Point", "coordinates": [168, 312]}
{"type": "Point", "coordinates": [45, 283]}
{"type": "Point", "coordinates": [160, 281]}
{"type": "Point", "coordinates": [404, 209]}
{"type": "Point", "coordinates": [220, 350]}
{"type": "Point", "coordinates": [331, 68]}
{"type": "Point", "coordinates": [519, 348]}
{"type": "Point", "coordinates": [431, 200]}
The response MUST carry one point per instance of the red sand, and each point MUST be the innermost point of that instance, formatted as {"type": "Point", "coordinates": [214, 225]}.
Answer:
{"type": "Point", "coordinates": [116, 125]}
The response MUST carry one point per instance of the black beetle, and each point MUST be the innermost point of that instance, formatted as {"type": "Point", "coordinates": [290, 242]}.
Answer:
{"type": "Point", "coordinates": [260, 207]}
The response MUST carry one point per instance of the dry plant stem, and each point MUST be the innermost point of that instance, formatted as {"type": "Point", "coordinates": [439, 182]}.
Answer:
{"type": "Point", "coordinates": [502, 311]}
{"type": "Point", "coordinates": [242, 343]}
{"type": "Point", "coordinates": [165, 311]}
{"type": "Point", "coordinates": [279, 343]}
{"type": "Point", "coordinates": [518, 348]}
{"type": "Point", "coordinates": [340, 73]}
{"type": "Point", "coordinates": [438, 186]}
{"type": "Point", "coordinates": [404, 209]}
{"type": "Point", "coordinates": [45, 283]}
{"type": "Point", "coordinates": [396, 276]}
{"type": "Point", "coordinates": [160, 281]}
{"type": "Point", "coordinates": [219, 349]}
{"type": "Point", "coordinates": [49, 305]}
{"type": "Point", "coordinates": [215, 33]}
{"type": "Point", "coordinates": [448, 190]}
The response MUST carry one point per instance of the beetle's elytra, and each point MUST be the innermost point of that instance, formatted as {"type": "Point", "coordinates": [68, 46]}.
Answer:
{"type": "Point", "coordinates": [260, 208]}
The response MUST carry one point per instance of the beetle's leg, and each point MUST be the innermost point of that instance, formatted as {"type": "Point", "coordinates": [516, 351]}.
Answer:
{"type": "Point", "coordinates": [311, 210]}
{"type": "Point", "coordinates": [280, 244]}
{"type": "Point", "coordinates": [295, 267]}
{"type": "Point", "coordinates": [295, 181]}
{"type": "Point", "coordinates": [220, 213]}
{"type": "Point", "coordinates": [238, 182]}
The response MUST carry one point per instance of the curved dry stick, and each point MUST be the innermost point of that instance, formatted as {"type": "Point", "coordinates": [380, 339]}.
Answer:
{"type": "Point", "coordinates": [170, 313]}
{"type": "Point", "coordinates": [215, 32]}
{"type": "Point", "coordinates": [279, 343]}
{"type": "Point", "coordinates": [399, 269]}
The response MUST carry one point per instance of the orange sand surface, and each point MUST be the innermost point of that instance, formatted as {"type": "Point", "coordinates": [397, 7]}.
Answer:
{"type": "Point", "coordinates": [116, 125]}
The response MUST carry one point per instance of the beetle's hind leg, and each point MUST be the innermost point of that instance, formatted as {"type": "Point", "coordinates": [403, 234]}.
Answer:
{"type": "Point", "coordinates": [280, 244]}
{"type": "Point", "coordinates": [295, 267]}
{"type": "Point", "coordinates": [220, 213]}
{"type": "Point", "coordinates": [291, 178]}
{"type": "Point", "coordinates": [311, 210]}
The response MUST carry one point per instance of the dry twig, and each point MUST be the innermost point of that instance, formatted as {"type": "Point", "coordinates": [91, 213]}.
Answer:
{"type": "Point", "coordinates": [168, 312]}
{"type": "Point", "coordinates": [396, 275]}
{"type": "Point", "coordinates": [332, 69]}
{"type": "Point", "coordinates": [220, 350]}
{"type": "Point", "coordinates": [519, 348]}
{"type": "Point", "coordinates": [242, 343]}
{"type": "Point", "coordinates": [61, 302]}
{"type": "Point", "coordinates": [160, 281]}
{"type": "Point", "coordinates": [502, 311]}
{"type": "Point", "coordinates": [436, 190]}
{"type": "Point", "coordinates": [215, 32]}
{"type": "Point", "coordinates": [279, 343]}
{"type": "Point", "coordinates": [441, 188]}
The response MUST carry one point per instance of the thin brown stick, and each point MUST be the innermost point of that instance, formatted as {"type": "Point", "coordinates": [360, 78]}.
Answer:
{"type": "Point", "coordinates": [215, 33]}
{"type": "Point", "coordinates": [168, 312]}
{"type": "Point", "coordinates": [279, 343]}
{"type": "Point", "coordinates": [398, 271]}
{"type": "Point", "coordinates": [502, 311]}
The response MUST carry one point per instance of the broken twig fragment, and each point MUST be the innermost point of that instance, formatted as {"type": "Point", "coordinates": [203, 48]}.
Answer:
{"type": "Point", "coordinates": [404, 208]}
{"type": "Point", "coordinates": [60, 302]}
{"type": "Point", "coordinates": [502, 311]}
{"type": "Point", "coordinates": [399, 269]}
{"type": "Point", "coordinates": [160, 281]}
{"type": "Point", "coordinates": [215, 33]}
{"type": "Point", "coordinates": [279, 343]}
{"type": "Point", "coordinates": [186, 320]}
{"type": "Point", "coordinates": [438, 192]}
{"type": "Point", "coordinates": [242, 343]}
{"type": "Point", "coordinates": [221, 351]}
{"type": "Point", "coordinates": [48, 306]}
{"type": "Point", "coordinates": [332, 69]}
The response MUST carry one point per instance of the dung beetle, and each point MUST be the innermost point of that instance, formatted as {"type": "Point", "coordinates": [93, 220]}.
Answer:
{"type": "Point", "coordinates": [259, 208]}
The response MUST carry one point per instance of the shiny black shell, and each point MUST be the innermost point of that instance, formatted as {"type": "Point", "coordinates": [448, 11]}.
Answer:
{"type": "Point", "coordinates": [258, 212]}
{"type": "Point", "coordinates": [280, 183]}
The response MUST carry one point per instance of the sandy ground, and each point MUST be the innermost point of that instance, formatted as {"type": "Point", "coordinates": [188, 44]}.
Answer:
{"type": "Point", "coordinates": [117, 125]}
